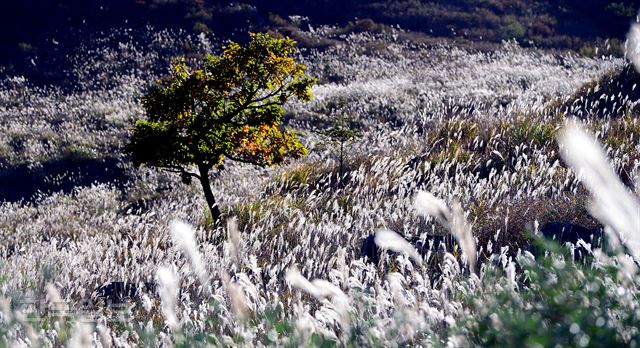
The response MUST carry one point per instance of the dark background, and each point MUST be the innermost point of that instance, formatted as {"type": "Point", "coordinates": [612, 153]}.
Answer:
{"type": "Point", "coordinates": [48, 28]}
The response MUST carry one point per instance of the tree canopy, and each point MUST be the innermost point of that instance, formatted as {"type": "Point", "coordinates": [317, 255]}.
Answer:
{"type": "Point", "coordinates": [231, 107]}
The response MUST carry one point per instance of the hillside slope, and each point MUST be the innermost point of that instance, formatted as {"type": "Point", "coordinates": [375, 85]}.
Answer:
{"type": "Point", "coordinates": [39, 34]}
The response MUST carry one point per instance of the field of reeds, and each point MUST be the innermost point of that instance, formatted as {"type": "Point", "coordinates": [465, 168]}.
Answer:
{"type": "Point", "coordinates": [484, 146]}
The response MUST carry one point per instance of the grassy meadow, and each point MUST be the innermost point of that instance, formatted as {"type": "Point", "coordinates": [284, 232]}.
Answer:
{"type": "Point", "coordinates": [484, 145]}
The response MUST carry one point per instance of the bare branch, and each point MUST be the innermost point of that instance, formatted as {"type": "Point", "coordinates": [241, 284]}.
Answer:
{"type": "Point", "coordinates": [180, 170]}
{"type": "Point", "coordinates": [243, 160]}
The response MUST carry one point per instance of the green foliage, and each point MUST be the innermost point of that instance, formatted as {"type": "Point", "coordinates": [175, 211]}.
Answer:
{"type": "Point", "coordinates": [528, 131]}
{"type": "Point", "coordinates": [560, 303]}
{"type": "Point", "coordinates": [249, 212]}
{"type": "Point", "coordinates": [341, 131]}
{"type": "Point", "coordinates": [79, 152]}
{"type": "Point", "coordinates": [513, 29]}
{"type": "Point", "coordinates": [296, 177]}
{"type": "Point", "coordinates": [621, 131]}
{"type": "Point", "coordinates": [230, 108]}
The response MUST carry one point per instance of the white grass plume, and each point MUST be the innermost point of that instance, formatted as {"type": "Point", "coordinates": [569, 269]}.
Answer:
{"type": "Point", "coordinates": [81, 335]}
{"type": "Point", "coordinates": [632, 46]}
{"type": "Point", "coordinates": [168, 291]}
{"type": "Point", "coordinates": [387, 239]}
{"type": "Point", "coordinates": [461, 230]}
{"type": "Point", "coordinates": [611, 202]}
{"type": "Point", "coordinates": [236, 297]}
{"type": "Point", "coordinates": [427, 204]}
{"type": "Point", "coordinates": [104, 336]}
{"type": "Point", "coordinates": [317, 288]}
{"type": "Point", "coordinates": [454, 220]}
{"type": "Point", "coordinates": [55, 300]}
{"type": "Point", "coordinates": [322, 289]}
{"type": "Point", "coordinates": [233, 234]}
{"type": "Point", "coordinates": [184, 236]}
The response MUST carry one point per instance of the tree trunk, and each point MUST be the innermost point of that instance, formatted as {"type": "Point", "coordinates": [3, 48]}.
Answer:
{"type": "Point", "coordinates": [341, 160]}
{"type": "Point", "coordinates": [208, 194]}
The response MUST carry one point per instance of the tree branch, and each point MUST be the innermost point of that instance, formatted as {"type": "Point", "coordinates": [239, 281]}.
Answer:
{"type": "Point", "coordinates": [247, 104]}
{"type": "Point", "coordinates": [271, 95]}
{"type": "Point", "coordinates": [242, 160]}
{"type": "Point", "coordinates": [180, 170]}
{"type": "Point", "coordinates": [262, 105]}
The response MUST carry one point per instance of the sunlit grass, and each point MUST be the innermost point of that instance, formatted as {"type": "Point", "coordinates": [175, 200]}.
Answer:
{"type": "Point", "coordinates": [473, 129]}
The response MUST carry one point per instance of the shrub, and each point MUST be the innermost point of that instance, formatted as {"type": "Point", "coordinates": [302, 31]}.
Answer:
{"type": "Point", "coordinates": [513, 29]}
{"type": "Point", "coordinates": [559, 303]}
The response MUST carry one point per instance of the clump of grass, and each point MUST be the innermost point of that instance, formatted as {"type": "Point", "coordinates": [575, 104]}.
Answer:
{"type": "Point", "coordinates": [532, 132]}
{"type": "Point", "coordinates": [249, 212]}
{"type": "Point", "coordinates": [296, 177]}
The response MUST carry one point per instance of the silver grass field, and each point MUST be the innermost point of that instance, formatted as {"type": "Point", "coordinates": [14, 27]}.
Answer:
{"type": "Point", "coordinates": [455, 142]}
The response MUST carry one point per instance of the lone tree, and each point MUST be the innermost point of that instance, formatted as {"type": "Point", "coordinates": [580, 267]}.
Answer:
{"type": "Point", "coordinates": [231, 107]}
{"type": "Point", "coordinates": [341, 132]}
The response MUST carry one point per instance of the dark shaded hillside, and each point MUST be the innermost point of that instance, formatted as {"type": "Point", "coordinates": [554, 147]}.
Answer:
{"type": "Point", "coordinates": [39, 34]}
{"type": "Point", "coordinates": [22, 183]}
{"type": "Point", "coordinates": [548, 23]}
{"type": "Point", "coordinates": [31, 26]}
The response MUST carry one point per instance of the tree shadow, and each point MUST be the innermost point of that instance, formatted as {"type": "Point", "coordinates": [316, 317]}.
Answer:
{"type": "Point", "coordinates": [24, 183]}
